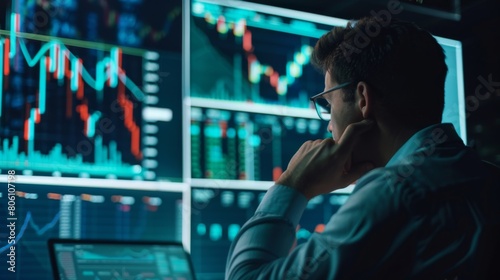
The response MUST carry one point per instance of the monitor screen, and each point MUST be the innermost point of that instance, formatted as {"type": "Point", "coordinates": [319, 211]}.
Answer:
{"type": "Point", "coordinates": [110, 259]}
{"type": "Point", "coordinates": [44, 211]}
{"type": "Point", "coordinates": [92, 89]}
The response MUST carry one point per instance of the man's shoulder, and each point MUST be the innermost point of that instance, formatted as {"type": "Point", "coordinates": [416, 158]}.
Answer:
{"type": "Point", "coordinates": [409, 185]}
{"type": "Point", "coordinates": [382, 179]}
{"type": "Point", "coordinates": [381, 186]}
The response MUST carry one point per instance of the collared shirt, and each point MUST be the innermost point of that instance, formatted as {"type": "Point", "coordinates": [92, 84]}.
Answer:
{"type": "Point", "coordinates": [425, 215]}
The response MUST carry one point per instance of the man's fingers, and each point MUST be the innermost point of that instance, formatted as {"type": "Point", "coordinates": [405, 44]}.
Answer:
{"type": "Point", "coordinates": [352, 133]}
{"type": "Point", "coordinates": [355, 129]}
{"type": "Point", "coordinates": [308, 146]}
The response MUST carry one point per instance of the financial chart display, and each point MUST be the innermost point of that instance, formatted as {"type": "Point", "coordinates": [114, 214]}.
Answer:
{"type": "Point", "coordinates": [218, 214]}
{"type": "Point", "coordinates": [111, 259]}
{"type": "Point", "coordinates": [92, 89]}
{"type": "Point", "coordinates": [241, 145]}
{"type": "Point", "coordinates": [251, 78]}
{"type": "Point", "coordinates": [48, 211]}
{"type": "Point", "coordinates": [259, 57]}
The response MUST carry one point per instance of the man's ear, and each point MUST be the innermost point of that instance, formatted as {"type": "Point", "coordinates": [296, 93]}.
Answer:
{"type": "Point", "coordinates": [364, 99]}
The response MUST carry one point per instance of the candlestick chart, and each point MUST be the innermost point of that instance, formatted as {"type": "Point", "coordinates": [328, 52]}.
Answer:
{"type": "Point", "coordinates": [252, 56]}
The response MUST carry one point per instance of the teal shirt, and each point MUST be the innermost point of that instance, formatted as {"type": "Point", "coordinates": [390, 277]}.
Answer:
{"type": "Point", "coordinates": [425, 215]}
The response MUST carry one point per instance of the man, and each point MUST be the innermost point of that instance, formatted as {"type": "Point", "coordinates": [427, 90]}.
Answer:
{"type": "Point", "coordinates": [424, 206]}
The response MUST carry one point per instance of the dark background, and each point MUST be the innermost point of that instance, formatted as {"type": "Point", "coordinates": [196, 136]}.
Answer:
{"type": "Point", "coordinates": [473, 22]}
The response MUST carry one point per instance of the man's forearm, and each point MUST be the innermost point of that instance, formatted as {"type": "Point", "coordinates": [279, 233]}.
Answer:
{"type": "Point", "coordinates": [268, 235]}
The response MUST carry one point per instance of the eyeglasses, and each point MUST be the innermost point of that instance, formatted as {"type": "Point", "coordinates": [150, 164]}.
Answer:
{"type": "Point", "coordinates": [322, 106]}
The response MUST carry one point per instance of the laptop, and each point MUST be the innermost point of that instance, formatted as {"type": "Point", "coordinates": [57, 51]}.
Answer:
{"type": "Point", "coordinates": [77, 259]}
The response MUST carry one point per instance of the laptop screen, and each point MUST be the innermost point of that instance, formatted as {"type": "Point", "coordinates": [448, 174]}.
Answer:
{"type": "Point", "coordinates": [100, 259]}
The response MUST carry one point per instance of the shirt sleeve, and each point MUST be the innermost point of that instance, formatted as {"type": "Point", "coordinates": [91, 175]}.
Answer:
{"type": "Point", "coordinates": [351, 239]}
{"type": "Point", "coordinates": [277, 216]}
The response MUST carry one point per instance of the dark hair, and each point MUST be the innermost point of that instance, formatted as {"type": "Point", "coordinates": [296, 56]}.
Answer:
{"type": "Point", "coordinates": [402, 63]}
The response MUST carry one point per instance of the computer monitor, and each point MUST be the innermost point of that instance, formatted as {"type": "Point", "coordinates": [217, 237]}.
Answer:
{"type": "Point", "coordinates": [92, 89]}
{"type": "Point", "coordinates": [77, 259]}
{"type": "Point", "coordinates": [69, 208]}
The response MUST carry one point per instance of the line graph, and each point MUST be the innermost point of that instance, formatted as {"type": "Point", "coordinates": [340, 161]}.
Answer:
{"type": "Point", "coordinates": [28, 220]}
{"type": "Point", "coordinates": [108, 70]}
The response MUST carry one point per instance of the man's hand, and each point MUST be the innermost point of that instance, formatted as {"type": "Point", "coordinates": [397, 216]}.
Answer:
{"type": "Point", "coordinates": [321, 166]}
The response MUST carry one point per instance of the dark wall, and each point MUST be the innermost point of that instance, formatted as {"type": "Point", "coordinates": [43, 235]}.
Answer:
{"type": "Point", "coordinates": [473, 22]}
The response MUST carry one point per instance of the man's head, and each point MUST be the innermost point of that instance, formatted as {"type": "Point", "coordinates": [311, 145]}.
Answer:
{"type": "Point", "coordinates": [396, 66]}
